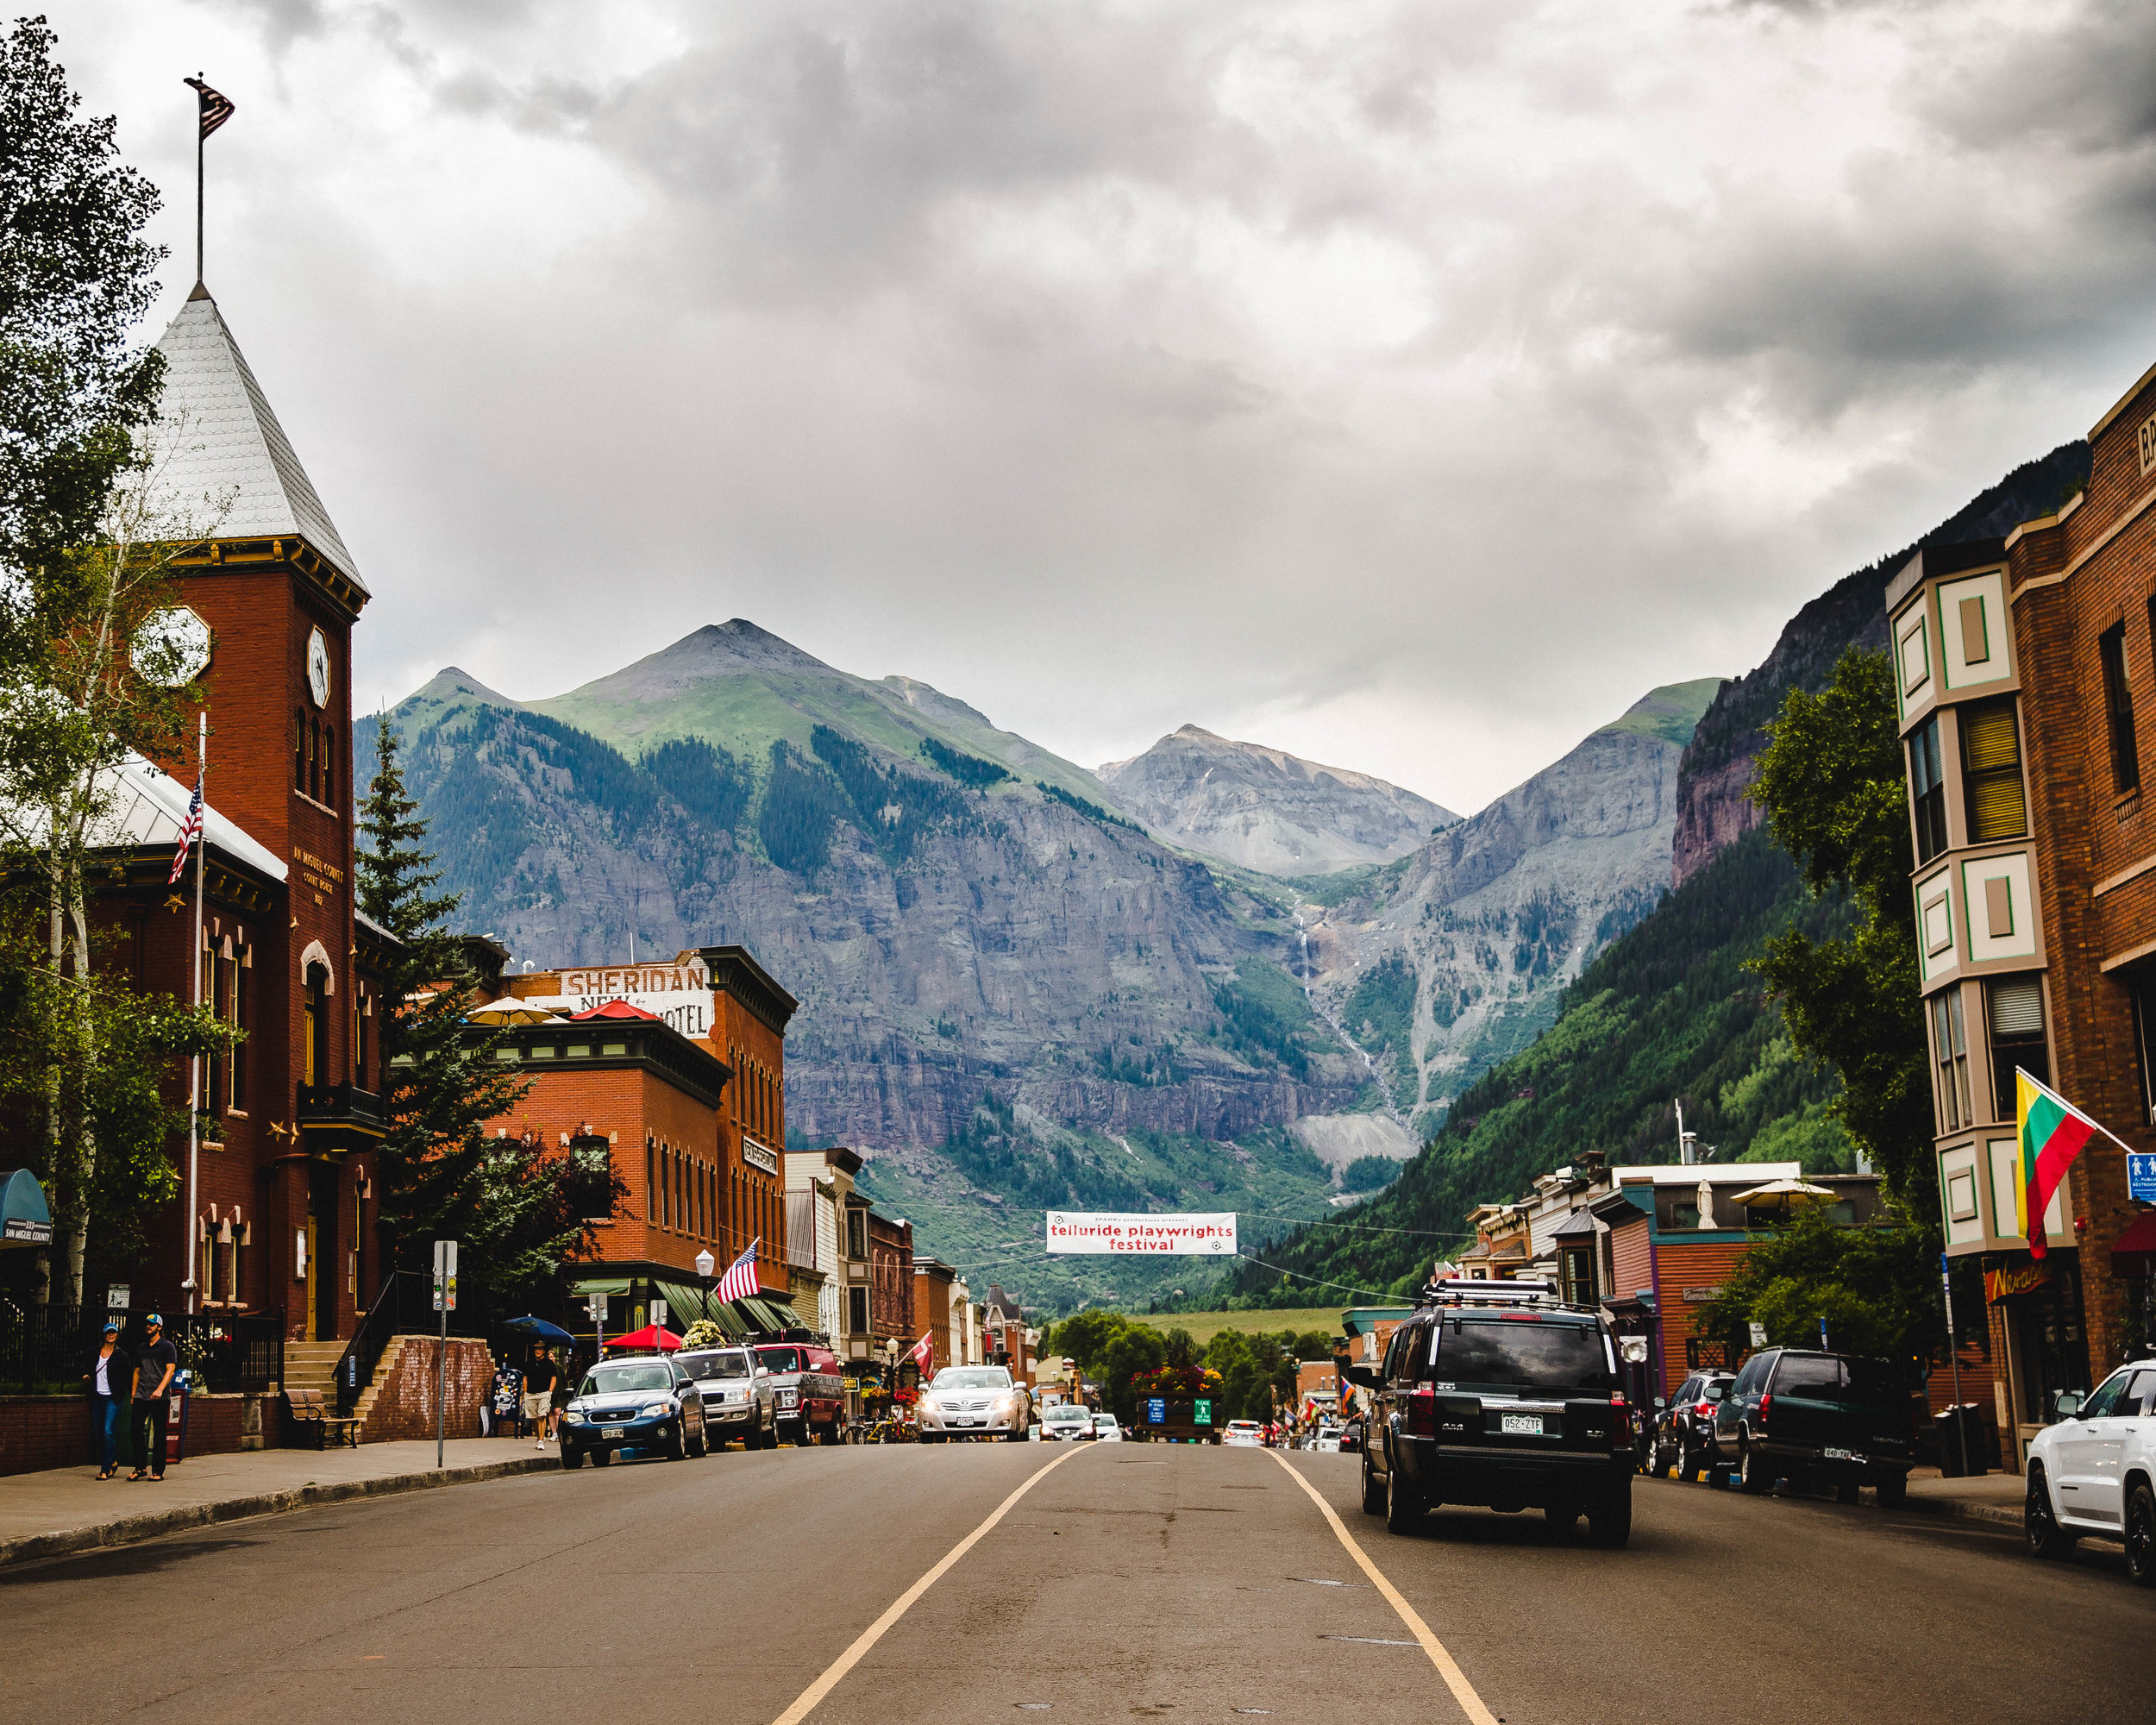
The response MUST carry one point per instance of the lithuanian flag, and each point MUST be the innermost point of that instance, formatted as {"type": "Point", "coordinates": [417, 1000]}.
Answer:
{"type": "Point", "coordinates": [2052, 1132]}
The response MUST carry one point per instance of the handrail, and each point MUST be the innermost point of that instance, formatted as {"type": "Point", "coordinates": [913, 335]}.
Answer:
{"type": "Point", "coordinates": [356, 1365]}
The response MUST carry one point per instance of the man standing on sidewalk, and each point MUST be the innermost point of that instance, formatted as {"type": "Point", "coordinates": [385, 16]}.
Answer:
{"type": "Point", "coordinates": [539, 1387]}
{"type": "Point", "coordinates": [154, 1370]}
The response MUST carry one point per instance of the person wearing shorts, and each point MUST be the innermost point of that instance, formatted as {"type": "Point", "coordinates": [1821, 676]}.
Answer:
{"type": "Point", "coordinates": [539, 1384]}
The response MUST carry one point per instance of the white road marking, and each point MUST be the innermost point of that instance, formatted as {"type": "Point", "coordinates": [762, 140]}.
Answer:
{"type": "Point", "coordinates": [1448, 1668]}
{"type": "Point", "coordinates": [807, 1701]}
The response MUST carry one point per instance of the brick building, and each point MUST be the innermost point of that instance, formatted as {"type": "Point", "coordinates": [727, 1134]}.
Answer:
{"type": "Point", "coordinates": [2024, 672]}
{"type": "Point", "coordinates": [891, 1314]}
{"type": "Point", "coordinates": [276, 1217]}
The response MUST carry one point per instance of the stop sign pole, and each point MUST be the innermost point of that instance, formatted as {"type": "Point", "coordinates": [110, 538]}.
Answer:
{"type": "Point", "coordinates": [445, 1302]}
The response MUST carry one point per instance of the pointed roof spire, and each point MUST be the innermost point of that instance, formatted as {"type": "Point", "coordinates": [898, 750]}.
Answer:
{"type": "Point", "coordinates": [231, 442]}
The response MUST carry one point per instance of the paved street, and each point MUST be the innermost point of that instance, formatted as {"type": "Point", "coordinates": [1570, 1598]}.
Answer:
{"type": "Point", "coordinates": [1132, 1580]}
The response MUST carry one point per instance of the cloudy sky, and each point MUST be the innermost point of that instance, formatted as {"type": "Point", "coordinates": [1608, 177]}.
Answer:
{"type": "Point", "coordinates": [1408, 386]}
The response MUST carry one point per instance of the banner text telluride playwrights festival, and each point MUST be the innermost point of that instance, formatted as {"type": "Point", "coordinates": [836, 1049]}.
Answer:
{"type": "Point", "coordinates": [1089, 1230]}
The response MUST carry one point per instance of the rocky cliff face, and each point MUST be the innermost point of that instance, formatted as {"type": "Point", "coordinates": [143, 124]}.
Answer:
{"type": "Point", "coordinates": [1713, 808]}
{"type": "Point", "coordinates": [1265, 809]}
{"type": "Point", "coordinates": [1455, 958]}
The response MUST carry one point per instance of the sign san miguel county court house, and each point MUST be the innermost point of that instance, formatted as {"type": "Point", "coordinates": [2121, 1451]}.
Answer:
{"type": "Point", "coordinates": [1190, 1236]}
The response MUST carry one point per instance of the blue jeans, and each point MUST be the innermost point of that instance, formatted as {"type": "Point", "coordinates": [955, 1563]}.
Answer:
{"type": "Point", "coordinates": [105, 1426]}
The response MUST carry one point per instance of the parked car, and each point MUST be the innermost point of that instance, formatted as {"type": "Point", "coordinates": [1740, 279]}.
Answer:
{"type": "Point", "coordinates": [648, 1404]}
{"type": "Point", "coordinates": [808, 1390]}
{"type": "Point", "coordinates": [1327, 1441]}
{"type": "Point", "coordinates": [1497, 1394]}
{"type": "Point", "coordinates": [973, 1402]}
{"type": "Point", "coordinates": [740, 1404]}
{"type": "Point", "coordinates": [1351, 1437]}
{"type": "Point", "coordinates": [1105, 1429]}
{"type": "Point", "coordinates": [1799, 1415]}
{"type": "Point", "coordinates": [1244, 1434]}
{"type": "Point", "coordinates": [2093, 1470]}
{"type": "Point", "coordinates": [1684, 1431]}
{"type": "Point", "coordinates": [1067, 1423]}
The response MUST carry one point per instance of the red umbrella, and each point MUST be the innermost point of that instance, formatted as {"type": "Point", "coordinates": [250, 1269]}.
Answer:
{"type": "Point", "coordinates": [649, 1340]}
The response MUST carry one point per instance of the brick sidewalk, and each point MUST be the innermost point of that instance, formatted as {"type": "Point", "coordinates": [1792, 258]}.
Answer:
{"type": "Point", "coordinates": [70, 1509]}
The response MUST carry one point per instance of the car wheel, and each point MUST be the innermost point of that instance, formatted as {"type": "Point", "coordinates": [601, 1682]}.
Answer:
{"type": "Point", "coordinates": [676, 1447]}
{"type": "Point", "coordinates": [1688, 1461]}
{"type": "Point", "coordinates": [1846, 1491]}
{"type": "Point", "coordinates": [571, 1457]}
{"type": "Point", "coordinates": [1562, 1517]}
{"type": "Point", "coordinates": [1403, 1509]}
{"type": "Point", "coordinates": [2046, 1539]}
{"type": "Point", "coordinates": [602, 1458]}
{"type": "Point", "coordinates": [2140, 1535]}
{"type": "Point", "coordinates": [702, 1446]}
{"type": "Point", "coordinates": [1373, 1491]}
{"type": "Point", "coordinates": [1751, 1473]}
{"type": "Point", "coordinates": [1893, 1490]}
{"type": "Point", "coordinates": [1609, 1520]}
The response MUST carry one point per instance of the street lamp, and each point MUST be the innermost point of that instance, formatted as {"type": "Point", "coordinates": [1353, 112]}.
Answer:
{"type": "Point", "coordinates": [704, 1264]}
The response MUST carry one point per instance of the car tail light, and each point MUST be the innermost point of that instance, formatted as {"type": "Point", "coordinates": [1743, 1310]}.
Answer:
{"type": "Point", "coordinates": [1422, 1413]}
{"type": "Point", "coordinates": [1619, 1421]}
{"type": "Point", "coordinates": [1704, 1409]}
{"type": "Point", "coordinates": [1765, 1402]}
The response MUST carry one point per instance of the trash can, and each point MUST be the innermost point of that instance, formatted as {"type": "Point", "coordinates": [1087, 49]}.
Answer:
{"type": "Point", "coordinates": [176, 1402]}
{"type": "Point", "coordinates": [1968, 1445]}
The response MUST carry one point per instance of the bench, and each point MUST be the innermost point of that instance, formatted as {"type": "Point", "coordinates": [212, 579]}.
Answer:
{"type": "Point", "coordinates": [311, 1414]}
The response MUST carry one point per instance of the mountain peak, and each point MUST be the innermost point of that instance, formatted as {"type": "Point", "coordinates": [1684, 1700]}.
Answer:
{"type": "Point", "coordinates": [737, 643]}
{"type": "Point", "coordinates": [1671, 712]}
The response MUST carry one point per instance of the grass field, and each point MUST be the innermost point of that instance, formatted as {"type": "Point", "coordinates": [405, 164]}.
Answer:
{"type": "Point", "coordinates": [1205, 1326]}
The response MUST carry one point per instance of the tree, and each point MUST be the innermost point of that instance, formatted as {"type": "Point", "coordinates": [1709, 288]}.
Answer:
{"type": "Point", "coordinates": [1831, 784]}
{"type": "Point", "coordinates": [441, 1081]}
{"type": "Point", "coordinates": [76, 279]}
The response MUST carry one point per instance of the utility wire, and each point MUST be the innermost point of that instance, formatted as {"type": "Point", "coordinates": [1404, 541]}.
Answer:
{"type": "Point", "coordinates": [1363, 1227]}
{"type": "Point", "coordinates": [1371, 1292]}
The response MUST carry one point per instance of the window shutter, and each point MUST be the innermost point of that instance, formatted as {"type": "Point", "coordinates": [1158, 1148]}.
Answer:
{"type": "Point", "coordinates": [2017, 1009]}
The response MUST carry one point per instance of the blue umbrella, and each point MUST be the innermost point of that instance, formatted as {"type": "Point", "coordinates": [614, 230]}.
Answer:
{"type": "Point", "coordinates": [539, 1330]}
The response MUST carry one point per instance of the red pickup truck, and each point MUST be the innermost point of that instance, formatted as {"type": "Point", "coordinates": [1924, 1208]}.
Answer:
{"type": "Point", "coordinates": [809, 1391]}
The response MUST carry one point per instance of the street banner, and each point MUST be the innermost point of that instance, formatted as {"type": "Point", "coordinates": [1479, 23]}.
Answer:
{"type": "Point", "coordinates": [1092, 1232]}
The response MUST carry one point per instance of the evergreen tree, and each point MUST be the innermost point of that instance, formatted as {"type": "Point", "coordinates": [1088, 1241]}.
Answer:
{"type": "Point", "coordinates": [441, 1081]}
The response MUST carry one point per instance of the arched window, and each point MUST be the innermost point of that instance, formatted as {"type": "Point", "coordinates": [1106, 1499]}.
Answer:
{"type": "Point", "coordinates": [299, 749]}
{"type": "Point", "coordinates": [329, 765]}
{"type": "Point", "coordinates": [651, 1181]}
{"type": "Point", "coordinates": [316, 1046]}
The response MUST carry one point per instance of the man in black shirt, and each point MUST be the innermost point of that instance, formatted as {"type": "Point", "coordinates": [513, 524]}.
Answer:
{"type": "Point", "coordinates": [155, 1367]}
{"type": "Point", "coordinates": [539, 1387]}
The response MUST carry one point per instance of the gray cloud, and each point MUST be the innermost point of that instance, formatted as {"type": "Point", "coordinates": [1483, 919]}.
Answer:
{"type": "Point", "coordinates": [1409, 385]}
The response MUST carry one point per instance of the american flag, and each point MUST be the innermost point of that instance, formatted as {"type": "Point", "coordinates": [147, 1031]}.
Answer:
{"type": "Point", "coordinates": [922, 1352]}
{"type": "Point", "coordinates": [189, 831]}
{"type": "Point", "coordinates": [216, 109]}
{"type": "Point", "coordinates": [739, 1282]}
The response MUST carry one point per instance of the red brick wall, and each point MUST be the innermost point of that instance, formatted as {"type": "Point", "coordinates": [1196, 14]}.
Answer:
{"type": "Point", "coordinates": [41, 1432]}
{"type": "Point", "coordinates": [2084, 833]}
{"type": "Point", "coordinates": [405, 1409]}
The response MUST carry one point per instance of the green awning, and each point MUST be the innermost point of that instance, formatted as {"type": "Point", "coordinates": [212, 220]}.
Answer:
{"type": "Point", "coordinates": [598, 1284]}
{"type": "Point", "coordinates": [685, 1305]}
{"type": "Point", "coordinates": [771, 1315]}
{"type": "Point", "coordinates": [24, 1217]}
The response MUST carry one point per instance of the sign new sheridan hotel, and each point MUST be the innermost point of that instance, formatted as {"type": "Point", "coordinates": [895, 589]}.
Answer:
{"type": "Point", "coordinates": [1089, 1231]}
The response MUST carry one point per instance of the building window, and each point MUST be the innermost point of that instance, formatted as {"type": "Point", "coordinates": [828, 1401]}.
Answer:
{"type": "Point", "coordinates": [329, 764]}
{"type": "Point", "coordinates": [2141, 985]}
{"type": "Point", "coordinates": [213, 997]}
{"type": "Point", "coordinates": [1950, 1052]}
{"type": "Point", "coordinates": [1928, 791]}
{"type": "Point", "coordinates": [317, 1025]}
{"type": "Point", "coordinates": [1992, 760]}
{"type": "Point", "coordinates": [239, 1022]}
{"type": "Point", "coordinates": [651, 1181]}
{"type": "Point", "coordinates": [2015, 1007]}
{"type": "Point", "coordinates": [2118, 706]}
{"type": "Point", "coordinates": [299, 749]}
{"type": "Point", "coordinates": [857, 1311]}
{"type": "Point", "coordinates": [857, 1234]}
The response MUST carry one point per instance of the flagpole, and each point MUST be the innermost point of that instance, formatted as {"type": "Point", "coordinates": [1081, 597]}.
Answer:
{"type": "Point", "coordinates": [194, 1063]}
{"type": "Point", "coordinates": [201, 137]}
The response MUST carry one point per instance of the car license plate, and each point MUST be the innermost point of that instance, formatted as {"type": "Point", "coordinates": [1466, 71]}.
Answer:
{"type": "Point", "coordinates": [1521, 1425]}
{"type": "Point", "coordinates": [965, 1419]}
{"type": "Point", "coordinates": [1834, 1454]}
{"type": "Point", "coordinates": [613, 1431]}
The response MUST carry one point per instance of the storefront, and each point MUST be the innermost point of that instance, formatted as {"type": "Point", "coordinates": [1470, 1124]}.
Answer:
{"type": "Point", "coordinates": [2037, 1332]}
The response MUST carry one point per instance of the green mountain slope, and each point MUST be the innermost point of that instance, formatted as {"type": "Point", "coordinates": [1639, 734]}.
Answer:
{"type": "Point", "coordinates": [1667, 1011]}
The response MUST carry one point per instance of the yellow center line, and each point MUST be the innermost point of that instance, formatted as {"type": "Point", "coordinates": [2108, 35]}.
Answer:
{"type": "Point", "coordinates": [1448, 1668]}
{"type": "Point", "coordinates": [805, 1702]}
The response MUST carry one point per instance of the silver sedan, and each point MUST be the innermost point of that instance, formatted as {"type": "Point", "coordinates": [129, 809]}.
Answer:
{"type": "Point", "coordinates": [973, 1402]}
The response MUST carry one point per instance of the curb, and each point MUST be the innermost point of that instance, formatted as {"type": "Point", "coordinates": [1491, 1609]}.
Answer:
{"type": "Point", "coordinates": [130, 1528]}
{"type": "Point", "coordinates": [1997, 1514]}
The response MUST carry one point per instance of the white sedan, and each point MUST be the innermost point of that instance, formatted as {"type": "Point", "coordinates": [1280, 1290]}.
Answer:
{"type": "Point", "coordinates": [1244, 1434]}
{"type": "Point", "coordinates": [1105, 1429]}
{"type": "Point", "coordinates": [2091, 1471]}
{"type": "Point", "coordinates": [1067, 1423]}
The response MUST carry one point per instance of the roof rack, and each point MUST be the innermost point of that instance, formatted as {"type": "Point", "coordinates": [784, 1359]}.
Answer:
{"type": "Point", "coordinates": [1520, 1290]}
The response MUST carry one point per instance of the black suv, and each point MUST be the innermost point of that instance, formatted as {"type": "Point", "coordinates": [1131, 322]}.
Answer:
{"type": "Point", "coordinates": [1496, 1393]}
{"type": "Point", "coordinates": [1684, 1431]}
{"type": "Point", "coordinates": [1839, 1419]}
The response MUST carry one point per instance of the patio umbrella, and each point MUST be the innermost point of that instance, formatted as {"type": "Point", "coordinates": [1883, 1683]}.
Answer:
{"type": "Point", "coordinates": [649, 1340]}
{"type": "Point", "coordinates": [1786, 1194]}
{"type": "Point", "coordinates": [509, 1010]}
{"type": "Point", "coordinates": [538, 1329]}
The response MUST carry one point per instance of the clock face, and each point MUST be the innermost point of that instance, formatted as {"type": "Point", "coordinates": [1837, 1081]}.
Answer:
{"type": "Point", "coordinates": [172, 647]}
{"type": "Point", "coordinates": [318, 668]}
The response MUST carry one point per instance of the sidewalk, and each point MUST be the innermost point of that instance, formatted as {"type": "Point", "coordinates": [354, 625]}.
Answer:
{"type": "Point", "coordinates": [69, 1509]}
{"type": "Point", "coordinates": [1986, 1497]}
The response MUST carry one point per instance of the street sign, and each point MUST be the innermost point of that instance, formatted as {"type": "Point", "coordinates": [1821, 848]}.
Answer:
{"type": "Point", "coordinates": [445, 1276]}
{"type": "Point", "coordinates": [1202, 1411]}
{"type": "Point", "coordinates": [2141, 1178]}
{"type": "Point", "coordinates": [596, 1305]}
{"type": "Point", "coordinates": [659, 1313]}
{"type": "Point", "coordinates": [116, 1297]}
{"type": "Point", "coordinates": [1156, 1410]}
{"type": "Point", "coordinates": [1759, 1335]}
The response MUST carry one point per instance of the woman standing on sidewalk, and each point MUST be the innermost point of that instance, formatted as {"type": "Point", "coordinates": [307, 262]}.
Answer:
{"type": "Point", "coordinates": [108, 1379]}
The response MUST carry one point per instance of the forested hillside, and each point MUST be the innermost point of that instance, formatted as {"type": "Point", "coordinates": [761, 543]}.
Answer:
{"type": "Point", "coordinates": [1668, 1011]}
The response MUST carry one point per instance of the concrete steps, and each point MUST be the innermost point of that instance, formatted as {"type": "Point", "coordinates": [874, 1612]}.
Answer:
{"type": "Point", "coordinates": [311, 1365]}
{"type": "Point", "coordinates": [383, 1368]}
